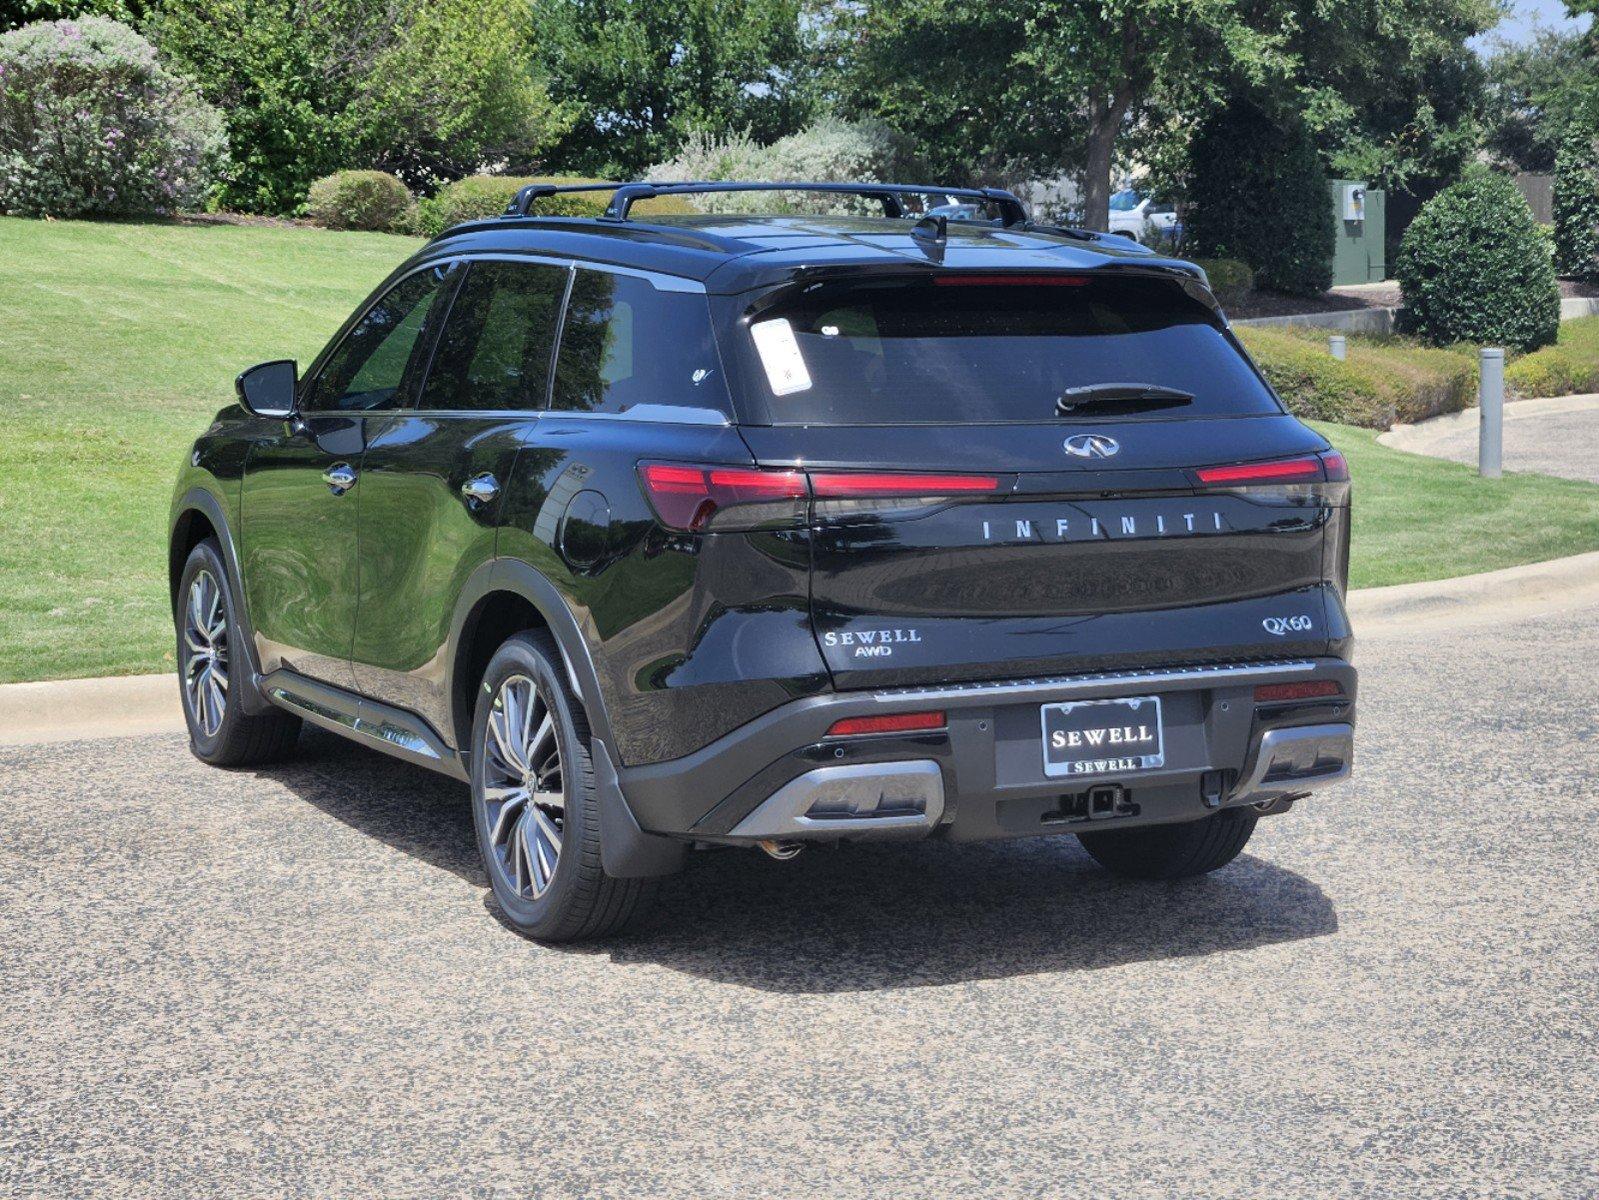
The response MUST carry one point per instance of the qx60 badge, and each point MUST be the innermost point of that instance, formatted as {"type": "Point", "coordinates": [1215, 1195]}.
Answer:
{"type": "Point", "coordinates": [1091, 445]}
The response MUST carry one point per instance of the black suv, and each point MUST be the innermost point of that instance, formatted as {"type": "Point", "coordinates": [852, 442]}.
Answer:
{"type": "Point", "coordinates": [758, 531]}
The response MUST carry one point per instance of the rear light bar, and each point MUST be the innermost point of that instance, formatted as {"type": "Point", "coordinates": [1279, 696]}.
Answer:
{"type": "Point", "coordinates": [1327, 467]}
{"type": "Point", "coordinates": [690, 498]}
{"type": "Point", "coordinates": [1011, 280]}
{"type": "Point", "coordinates": [897, 723]}
{"type": "Point", "coordinates": [1309, 689]}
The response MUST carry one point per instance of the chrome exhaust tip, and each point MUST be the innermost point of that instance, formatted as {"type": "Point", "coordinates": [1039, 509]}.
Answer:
{"type": "Point", "coordinates": [780, 850]}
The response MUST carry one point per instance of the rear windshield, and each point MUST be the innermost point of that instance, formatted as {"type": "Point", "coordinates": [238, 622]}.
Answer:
{"type": "Point", "coordinates": [965, 349]}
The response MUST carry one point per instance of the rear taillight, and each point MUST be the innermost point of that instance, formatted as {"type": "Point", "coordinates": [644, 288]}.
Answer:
{"type": "Point", "coordinates": [1309, 689]}
{"type": "Point", "coordinates": [696, 498]}
{"type": "Point", "coordinates": [1288, 470]}
{"type": "Point", "coordinates": [1306, 479]}
{"type": "Point", "coordinates": [895, 723]}
{"type": "Point", "coordinates": [852, 485]}
{"type": "Point", "coordinates": [699, 499]}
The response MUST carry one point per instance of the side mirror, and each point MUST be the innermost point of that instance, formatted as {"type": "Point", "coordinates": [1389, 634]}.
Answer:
{"type": "Point", "coordinates": [268, 389]}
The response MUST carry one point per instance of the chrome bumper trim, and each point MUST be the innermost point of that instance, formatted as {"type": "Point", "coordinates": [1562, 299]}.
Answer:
{"type": "Point", "coordinates": [892, 799]}
{"type": "Point", "coordinates": [1071, 684]}
{"type": "Point", "coordinates": [1290, 762]}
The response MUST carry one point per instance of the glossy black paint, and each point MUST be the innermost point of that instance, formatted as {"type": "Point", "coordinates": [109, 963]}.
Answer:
{"type": "Point", "coordinates": [681, 644]}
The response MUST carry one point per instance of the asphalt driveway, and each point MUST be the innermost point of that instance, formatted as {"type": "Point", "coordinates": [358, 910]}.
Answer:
{"type": "Point", "coordinates": [290, 982]}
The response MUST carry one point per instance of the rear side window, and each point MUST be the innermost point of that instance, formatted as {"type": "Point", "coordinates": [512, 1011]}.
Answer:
{"type": "Point", "coordinates": [494, 353]}
{"type": "Point", "coordinates": [627, 343]}
{"type": "Point", "coordinates": [975, 349]}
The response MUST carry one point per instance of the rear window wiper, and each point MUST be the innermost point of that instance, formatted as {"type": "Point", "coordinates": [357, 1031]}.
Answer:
{"type": "Point", "coordinates": [1130, 397]}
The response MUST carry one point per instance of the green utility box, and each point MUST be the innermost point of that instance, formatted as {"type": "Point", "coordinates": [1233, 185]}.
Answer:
{"type": "Point", "coordinates": [1359, 214]}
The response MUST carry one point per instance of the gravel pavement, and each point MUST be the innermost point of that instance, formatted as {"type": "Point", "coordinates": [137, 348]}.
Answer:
{"type": "Point", "coordinates": [291, 982]}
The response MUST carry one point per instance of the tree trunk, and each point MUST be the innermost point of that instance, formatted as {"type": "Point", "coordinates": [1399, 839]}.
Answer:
{"type": "Point", "coordinates": [1105, 116]}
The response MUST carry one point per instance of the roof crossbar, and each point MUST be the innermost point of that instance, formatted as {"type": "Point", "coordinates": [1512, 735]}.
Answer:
{"type": "Point", "coordinates": [1011, 211]}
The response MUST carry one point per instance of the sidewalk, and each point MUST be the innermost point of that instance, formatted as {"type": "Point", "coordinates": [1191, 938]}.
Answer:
{"type": "Point", "coordinates": [1554, 436]}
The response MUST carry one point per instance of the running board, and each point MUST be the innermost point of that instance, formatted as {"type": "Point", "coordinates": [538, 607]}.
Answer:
{"type": "Point", "coordinates": [370, 722]}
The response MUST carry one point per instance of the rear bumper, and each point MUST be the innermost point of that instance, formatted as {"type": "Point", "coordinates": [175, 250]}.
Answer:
{"type": "Point", "coordinates": [982, 776]}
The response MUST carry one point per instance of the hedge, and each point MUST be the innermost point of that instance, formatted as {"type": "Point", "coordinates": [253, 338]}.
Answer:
{"type": "Point", "coordinates": [359, 200]}
{"type": "Point", "coordinates": [1230, 279]}
{"type": "Point", "coordinates": [1382, 381]}
{"type": "Point", "coordinates": [1570, 366]}
{"type": "Point", "coordinates": [479, 196]}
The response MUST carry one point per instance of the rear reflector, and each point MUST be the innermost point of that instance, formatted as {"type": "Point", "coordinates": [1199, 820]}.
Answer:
{"type": "Point", "coordinates": [1288, 470]}
{"type": "Point", "coordinates": [897, 723]}
{"type": "Point", "coordinates": [841, 486]}
{"type": "Point", "coordinates": [1011, 280]}
{"type": "Point", "coordinates": [1310, 689]}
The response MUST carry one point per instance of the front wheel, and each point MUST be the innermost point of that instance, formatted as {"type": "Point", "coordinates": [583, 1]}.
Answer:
{"type": "Point", "coordinates": [209, 661]}
{"type": "Point", "coordinates": [1173, 851]}
{"type": "Point", "coordinates": [534, 802]}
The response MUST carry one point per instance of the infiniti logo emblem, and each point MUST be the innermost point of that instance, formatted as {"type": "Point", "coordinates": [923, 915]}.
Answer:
{"type": "Point", "coordinates": [1091, 445]}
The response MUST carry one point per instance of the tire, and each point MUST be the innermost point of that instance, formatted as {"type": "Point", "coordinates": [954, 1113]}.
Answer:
{"type": "Point", "coordinates": [1173, 851]}
{"type": "Point", "coordinates": [572, 898]}
{"type": "Point", "coordinates": [220, 732]}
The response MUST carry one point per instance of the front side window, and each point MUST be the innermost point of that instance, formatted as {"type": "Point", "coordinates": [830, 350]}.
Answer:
{"type": "Point", "coordinates": [964, 349]}
{"type": "Point", "coordinates": [626, 343]}
{"type": "Point", "coordinates": [494, 353]}
{"type": "Point", "coordinates": [367, 369]}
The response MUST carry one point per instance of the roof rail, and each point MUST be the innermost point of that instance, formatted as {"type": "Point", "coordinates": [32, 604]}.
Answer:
{"type": "Point", "coordinates": [1011, 211]}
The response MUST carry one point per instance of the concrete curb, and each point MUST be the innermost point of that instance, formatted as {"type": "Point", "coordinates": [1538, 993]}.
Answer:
{"type": "Point", "coordinates": [67, 710]}
{"type": "Point", "coordinates": [79, 709]}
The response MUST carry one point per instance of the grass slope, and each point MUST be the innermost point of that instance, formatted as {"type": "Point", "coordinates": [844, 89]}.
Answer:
{"type": "Point", "coordinates": [118, 341]}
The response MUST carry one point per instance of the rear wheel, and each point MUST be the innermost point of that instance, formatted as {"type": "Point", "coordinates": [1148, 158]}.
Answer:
{"type": "Point", "coordinates": [1173, 851]}
{"type": "Point", "coordinates": [534, 802]}
{"type": "Point", "coordinates": [209, 660]}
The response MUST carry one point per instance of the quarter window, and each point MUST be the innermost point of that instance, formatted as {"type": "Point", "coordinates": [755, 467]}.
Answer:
{"type": "Point", "coordinates": [626, 343]}
{"type": "Point", "coordinates": [367, 369]}
{"type": "Point", "coordinates": [494, 353]}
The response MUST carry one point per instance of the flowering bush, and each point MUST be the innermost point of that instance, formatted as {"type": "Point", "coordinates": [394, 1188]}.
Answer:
{"type": "Point", "coordinates": [90, 122]}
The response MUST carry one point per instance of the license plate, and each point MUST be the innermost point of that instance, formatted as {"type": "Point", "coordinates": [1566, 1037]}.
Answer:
{"type": "Point", "coordinates": [1103, 737]}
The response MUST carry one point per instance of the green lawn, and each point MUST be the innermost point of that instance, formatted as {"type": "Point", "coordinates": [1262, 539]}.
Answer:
{"type": "Point", "coordinates": [119, 340]}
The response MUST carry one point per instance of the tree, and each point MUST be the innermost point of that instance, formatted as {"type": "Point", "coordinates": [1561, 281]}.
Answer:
{"type": "Point", "coordinates": [1057, 85]}
{"type": "Point", "coordinates": [427, 89]}
{"type": "Point", "coordinates": [1258, 193]}
{"type": "Point", "coordinates": [1576, 204]}
{"type": "Point", "coordinates": [639, 75]}
{"type": "Point", "coordinates": [15, 13]}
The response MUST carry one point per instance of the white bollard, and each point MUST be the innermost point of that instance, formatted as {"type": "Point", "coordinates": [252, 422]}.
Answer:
{"type": "Point", "coordinates": [1491, 427]}
{"type": "Point", "coordinates": [1337, 346]}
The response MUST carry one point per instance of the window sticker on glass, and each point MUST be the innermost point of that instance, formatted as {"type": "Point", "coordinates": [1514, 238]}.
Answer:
{"type": "Point", "coordinates": [780, 355]}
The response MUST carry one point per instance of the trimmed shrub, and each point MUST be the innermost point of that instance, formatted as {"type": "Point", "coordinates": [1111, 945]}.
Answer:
{"type": "Point", "coordinates": [1230, 279]}
{"type": "Point", "coordinates": [1382, 381]}
{"type": "Point", "coordinates": [830, 151]}
{"type": "Point", "coordinates": [90, 122]}
{"type": "Point", "coordinates": [1257, 193]}
{"type": "Point", "coordinates": [1570, 366]}
{"type": "Point", "coordinates": [359, 200]}
{"type": "Point", "coordinates": [1474, 267]}
{"type": "Point", "coordinates": [1576, 204]}
{"type": "Point", "coordinates": [479, 196]}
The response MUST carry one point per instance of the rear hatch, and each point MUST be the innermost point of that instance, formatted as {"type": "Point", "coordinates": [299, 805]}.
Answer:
{"type": "Point", "coordinates": [1014, 475]}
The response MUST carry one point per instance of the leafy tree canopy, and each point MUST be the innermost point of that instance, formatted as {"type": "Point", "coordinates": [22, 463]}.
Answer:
{"type": "Point", "coordinates": [639, 75]}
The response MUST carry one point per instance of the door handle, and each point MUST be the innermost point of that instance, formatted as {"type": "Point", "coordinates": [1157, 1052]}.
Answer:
{"type": "Point", "coordinates": [340, 478]}
{"type": "Point", "coordinates": [480, 489]}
